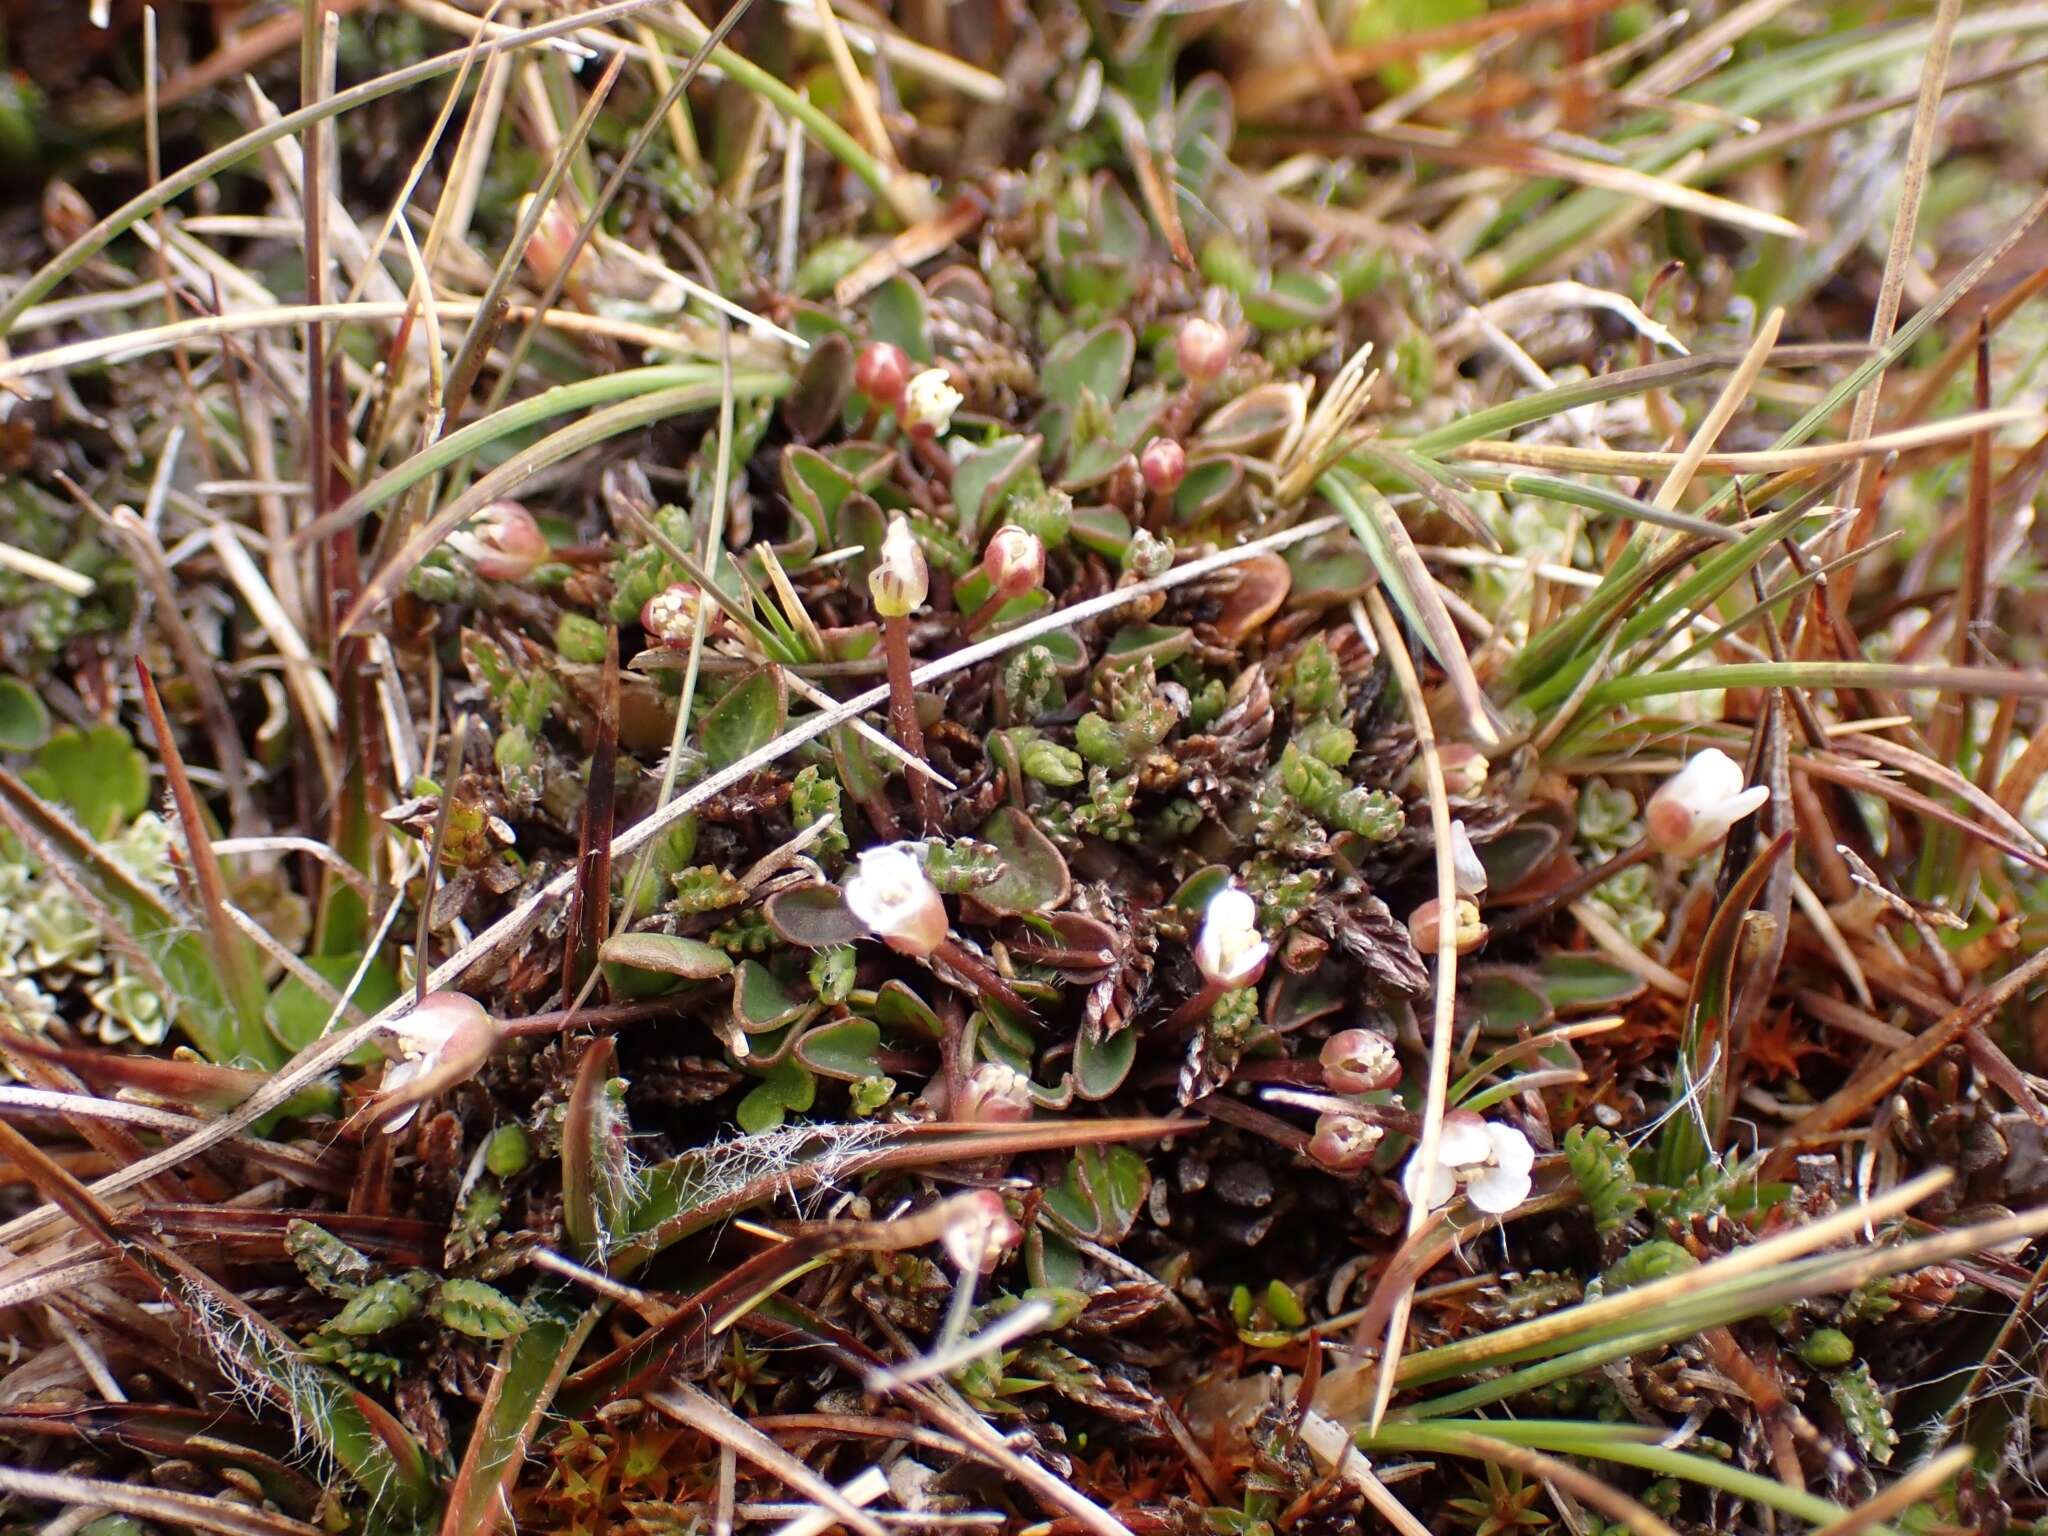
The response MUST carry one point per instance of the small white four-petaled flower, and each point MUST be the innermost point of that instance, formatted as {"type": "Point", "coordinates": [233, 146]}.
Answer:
{"type": "Point", "coordinates": [1694, 808]}
{"type": "Point", "coordinates": [929, 401]}
{"type": "Point", "coordinates": [1491, 1160]}
{"type": "Point", "coordinates": [891, 893]}
{"type": "Point", "coordinates": [442, 1041]}
{"type": "Point", "coordinates": [901, 580]}
{"type": "Point", "coordinates": [1229, 951]}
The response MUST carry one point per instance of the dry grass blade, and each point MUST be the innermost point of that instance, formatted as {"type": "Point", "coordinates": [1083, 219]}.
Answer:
{"type": "Point", "coordinates": [688, 1404]}
{"type": "Point", "coordinates": [163, 1506]}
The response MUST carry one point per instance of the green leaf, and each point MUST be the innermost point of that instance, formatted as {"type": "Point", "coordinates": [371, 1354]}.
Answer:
{"type": "Point", "coordinates": [1034, 877]}
{"type": "Point", "coordinates": [24, 722]}
{"type": "Point", "coordinates": [1102, 1193]}
{"type": "Point", "coordinates": [1599, 1162]}
{"type": "Point", "coordinates": [1580, 983]}
{"type": "Point", "coordinates": [752, 714]}
{"type": "Point", "coordinates": [1685, 1145]}
{"type": "Point", "coordinates": [479, 1310]}
{"type": "Point", "coordinates": [1130, 425]}
{"type": "Point", "coordinates": [845, 1050]}
{"type": "Point", "coordinates": [1505, 1001]}
{"type": "Point", "coordinates": [986, 476]}
{"type": "Point", "coordinates": [1204, 123]}
{"type": "Point", "coordinates": [1100, 1066]}
{"type": "Point", "coordinates": [529, 1373]}
{"type": "Point", "coordinates": [761, 1003]}
{"type": "Point", "coordinates": [901, 1011]}
{"type": "Point", "coordinates": [1255, 420]}
{"type": "Point", "coordinates": [299, 1014]}
{"type": "Point", "coordinates": [1297, 297]}
{"type": "Point", "coordinates": [100, 776]}
{"type": "Point", "coordinates": [814, 916]}
{"type": "Point", "coordinates": [668, 954]}
{"type": "Point", "coordinates": [165, 937]}
{"type": "Point", "coordinates": [899, 315]}
{"type": "Point", "coordinates": [1097, 361]}
{"type": "Point", "coordinates": [788, 1088]}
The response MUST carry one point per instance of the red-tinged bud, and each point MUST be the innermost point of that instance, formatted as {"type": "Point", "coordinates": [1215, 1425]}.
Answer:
{"type": "Point", "coordinates": [1360, 1061]}
{"type": "Point", "coordinates": [1469, 935]}
{"type": "Point", "coordinates": [503, 542]}
{"type": "Point", "coordinates": [1164, 464]}
{"type": "Point", "coordinates": [1342, 1143]}
{"type": "Point", "coordinates": [882, 372]}
{"type": "Point", "coordinates": [1014, 561]}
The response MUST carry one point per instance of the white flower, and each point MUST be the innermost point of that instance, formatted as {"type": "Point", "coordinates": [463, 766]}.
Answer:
{"type": "Point", "coordinates": [892, 895]}
{"type": "Point", "coordinates": [1471, 874]}
{"type": "Point", "coordinates": [1229, 951]}
{"type": "Point", "coordinates": [901, 580]}
{"type": "Point", "coordinates": [929, 401]}
{"type": "Point", "coordinates": [1694, 808]}
{"type": "Point", "coordinates": [1491, 1160]}
{"type": "Point", "coordinates": [441, 1042]}
{"type": "Point", "coordinates": [981, 1232]}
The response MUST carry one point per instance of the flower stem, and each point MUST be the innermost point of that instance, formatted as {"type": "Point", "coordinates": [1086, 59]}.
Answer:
{"type": "Point", "coordinates": [1193, 1011]}
{"type": "Point", "coordinates": [957, 956]}
{"type": "Point", "coordinates": [903, 719]}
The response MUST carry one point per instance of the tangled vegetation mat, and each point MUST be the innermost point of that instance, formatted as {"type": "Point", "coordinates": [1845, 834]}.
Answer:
{"type": "Point", "coordinates": [1147, 767]}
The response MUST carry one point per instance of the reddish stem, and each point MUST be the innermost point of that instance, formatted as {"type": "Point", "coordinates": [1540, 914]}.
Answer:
{"type": "Point", "coordinates": [959, 957]}
{"type": "Point", "coordinates": [924, 795]}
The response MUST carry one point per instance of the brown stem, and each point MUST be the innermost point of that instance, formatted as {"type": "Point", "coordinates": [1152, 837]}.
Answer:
{"type": "Point", "coordinates": [990, 607]}
{"type": "Point", "coordinates": [1180, 411]}
{"type": "Point", "coordinates": [1192, 1012]}
{"type": "Point", "coordinates": [1552, 902]}
{"type": "Point", "coordinates": [957, 956]}
{"type": "Point", "coordinates": [926, 446]}
{"type": "Point", "coordinates": [903, 718]}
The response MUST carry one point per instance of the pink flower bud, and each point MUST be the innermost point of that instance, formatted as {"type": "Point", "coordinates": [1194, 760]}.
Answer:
{"type": "Point", "coordinates": [1203, 349]}
{"type": "Point", "coordinates": [549, 247]}
{"type": "Point", "coordinates": [670, 616]}
{"type": "Point", "coordinates": [443, 1041]}
{"type": "Point", "coordinates": [503, 542]}
{"type": "Point", "coordinates": [1344, 1142]}
{"type": "Point", "coordinates": [1164, 464]}
{"type": "Point", "coordinates": [1229, 951]}
{"type": "Point", "coordinates": [1014, 561]}
{"type": "Point", "coordinates": [1359, 1061]}
{"type": "Point", "coordinates": [994, 1095]}
{"type": "Point", "coordinates": [1471, 927]}
{"type": "Point", "coordinates": [891, 893]}
{"type": "Point", "coordinates": [881, 372]}
{"type": "Point", "coordinates": [900, 581]}
{"type": "Point", "coordinates": [1694, 808]}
